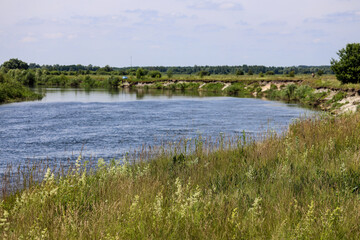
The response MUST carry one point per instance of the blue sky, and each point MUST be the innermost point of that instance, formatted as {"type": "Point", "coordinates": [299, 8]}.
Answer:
{"type": "Point", "coordinates": [177, 32]}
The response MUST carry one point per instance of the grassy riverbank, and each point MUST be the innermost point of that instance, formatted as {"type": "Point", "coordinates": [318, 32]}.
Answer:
{"type": "Point", "coordinates": [13, 91]}
{"type": "Point", "coordinates": [302, 185]}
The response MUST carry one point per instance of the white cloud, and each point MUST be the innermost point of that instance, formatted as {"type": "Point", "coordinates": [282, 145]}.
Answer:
{"type": "Point", "coordinates": [53, 35]}
{"type": "Point", "coordinates": [71, 36]}
{"type": "Point", "coordinates": [216, 6]}
{"type": "Point", "coordinates": [28, 39]}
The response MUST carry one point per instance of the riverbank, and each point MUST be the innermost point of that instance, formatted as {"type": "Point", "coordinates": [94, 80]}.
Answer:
{"type": "Point", "coordinates": [301, 185]}
{"type": "Point", "coordinates": [322, 95]}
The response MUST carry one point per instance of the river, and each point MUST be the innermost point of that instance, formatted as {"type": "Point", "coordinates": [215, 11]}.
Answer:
{"type": "Point", "coordinates": [107, 124]}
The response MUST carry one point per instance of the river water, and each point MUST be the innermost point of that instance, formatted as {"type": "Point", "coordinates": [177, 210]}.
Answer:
{"type": "Point", "coordinates": [106, 124]}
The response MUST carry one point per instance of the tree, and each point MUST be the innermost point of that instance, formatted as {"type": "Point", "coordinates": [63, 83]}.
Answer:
{"type": "Point", "coordinates": [107, 68]}
{"type": "Point", "coordinates": [347, 68]}
{"type": "Point", "coordinates": [140, 73]}
{"type": "Point", "coordinates": [320, 72]}
{"type": "Point", "coordinates": [239, 72]}
{"type": "Point", "coordinates": [169, 73]}
{"type": "Point", "coordinates": [155, 74]}
{"type": "Point", "coordinates": [15, 63]}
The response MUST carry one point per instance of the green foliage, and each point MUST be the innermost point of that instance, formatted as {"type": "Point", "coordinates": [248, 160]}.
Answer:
{"type": "Point", "coordinates": [12, 91]}
{"type": "Point", "coordinates": [154, 74]}
{"type": "Point", "coordinates": [213, 87]}
{"type": "Point", "coordinates": [15, 63]}
{"type": "Point", "coordinates": [113, 81]}
{"type": "Point", "coordinates": [238, 89]}
{"type": "Point", "coordinates": [183, 86]}
{"type": "Point", "coordinates": [250, 72]}
{"type": "Point", "coordinates": [261, 74]}
{"type": "Point", "coordinates": [347, 68]}
{"type": "Point", "coordinates": [140, 73]}
{"type": "Point", "coordinates": [291, 73]}
{"type": "Point", "coordinates": [203, 73]}
{"type": "Point", "coordinates": [88, 82]}
{"type": "Point", "coordinates": [338, 97]}
{"type": "Point", "coordinates": [169, 73]}
{"type": "Point", "coordinates": [29, 79]}
{"type": "Point", "coordinates": [320, 72]}
{"type": "Point", "coordinates": [75, 82]}
{"type": "Point", "coordinates": [107, 68]}
{"type": "Point", "coordinates": [239, 72]}
{"type": "Point", "coordinates": [270, 73]}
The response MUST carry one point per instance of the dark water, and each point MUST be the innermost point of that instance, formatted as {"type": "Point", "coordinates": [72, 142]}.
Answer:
{"type": "Point", "coordinates": [108, 124]}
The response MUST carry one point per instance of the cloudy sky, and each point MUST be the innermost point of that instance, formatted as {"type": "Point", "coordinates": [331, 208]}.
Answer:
{"type": "Point", "coordinates": [177, 32]}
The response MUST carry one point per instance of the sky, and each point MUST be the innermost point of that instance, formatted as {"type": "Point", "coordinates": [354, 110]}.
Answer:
{"type": "Point", "coordinates": [121, 33]}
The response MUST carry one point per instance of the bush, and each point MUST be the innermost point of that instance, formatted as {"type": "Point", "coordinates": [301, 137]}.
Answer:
{"type": "Point", "coordinates": [140, 73]}
{"type": "Point", "coordinates": [169, 73]}
{"type": "Point", "coordinates": [303, 91]}
{"type": "Point", "coordinates": [203, 73]}
{"type": "Point", "coordinates": [239, 72]}
{"type": "Point", "coordinates": [155, 74]}
{"type": "Point", "coordinates": [113, 81]}
{"type": "Point", "coordinates": [88, 82]}
{"type": "Point", "coordinates": [320, 72]}
{"type": "Point", "coordinates": [291, 74]}
{"type": "Point", "coordinates": [347, 68]}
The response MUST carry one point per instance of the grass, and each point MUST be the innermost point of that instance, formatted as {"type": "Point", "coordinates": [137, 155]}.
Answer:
{"type": "Point", "coordinates": [302, 185]}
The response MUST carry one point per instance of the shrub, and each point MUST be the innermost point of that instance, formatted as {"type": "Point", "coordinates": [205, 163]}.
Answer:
{"type": "Point", "coordinates": [113, 81]}
{"type": "Point", "coordinates": [291, 74]}
{"type": "Point", "coordinates": [155, 74]}
{"type": "Point", "coordinates": [239, 72]}
{"type": "Point", "coordinates": [203, 73]}
{"type": "Point", "coordinates": [169, 73]}
{"type": "Point", "coordinates": [140, 73]}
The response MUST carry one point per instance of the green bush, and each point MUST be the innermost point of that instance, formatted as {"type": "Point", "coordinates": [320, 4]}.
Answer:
{"type": "Point", "coordinates": [155, 74]}
{"type": "Point", "coordinates": [203, 73]}
{"type": "Point", "coordinates": [347, 68]}
{"type": "Point", "coordinates": [213, 87]}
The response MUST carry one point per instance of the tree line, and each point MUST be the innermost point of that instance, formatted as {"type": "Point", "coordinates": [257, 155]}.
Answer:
{"type": "Point", "coordinates": [213, 70]}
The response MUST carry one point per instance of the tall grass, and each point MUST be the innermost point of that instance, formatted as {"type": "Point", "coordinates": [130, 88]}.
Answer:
{"type": "Point", "coordinates": [301, 185]}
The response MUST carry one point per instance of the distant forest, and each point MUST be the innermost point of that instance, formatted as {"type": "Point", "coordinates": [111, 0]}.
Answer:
{"type": "Point", "coordinates": [242, 69]}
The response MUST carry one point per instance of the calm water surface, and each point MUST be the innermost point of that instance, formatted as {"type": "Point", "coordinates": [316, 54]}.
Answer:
{"type": "Point", "coordinates": [108, 124]}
